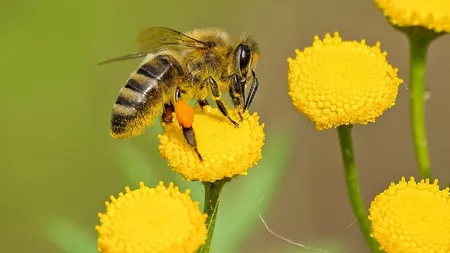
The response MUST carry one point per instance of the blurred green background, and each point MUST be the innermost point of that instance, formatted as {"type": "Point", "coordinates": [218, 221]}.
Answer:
{"type": "Point", "coordinates": [59, 164]}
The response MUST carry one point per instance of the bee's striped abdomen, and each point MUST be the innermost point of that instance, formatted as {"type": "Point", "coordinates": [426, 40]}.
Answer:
{"type": "Point", "coordinates": [143, 96]}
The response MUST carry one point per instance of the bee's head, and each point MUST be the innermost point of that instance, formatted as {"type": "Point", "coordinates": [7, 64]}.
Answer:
{"type": "Point", "coordinates": [246, 56]}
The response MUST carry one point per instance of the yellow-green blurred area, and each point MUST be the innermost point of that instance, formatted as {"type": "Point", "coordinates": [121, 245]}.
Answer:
{"type": "Point", "coordinates": [58, 160]}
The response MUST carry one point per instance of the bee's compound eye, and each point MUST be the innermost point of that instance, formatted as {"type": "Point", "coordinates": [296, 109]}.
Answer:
{"type": "Point", "coordinates": [244, 56]}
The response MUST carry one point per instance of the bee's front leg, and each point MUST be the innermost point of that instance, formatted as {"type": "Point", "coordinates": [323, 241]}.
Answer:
{"type": "Point", "coordinates": [237, 94]}
{"type": "Point", "coordinates": [253, 90]}
{"type": "Point", "coordinates": [215, 91]}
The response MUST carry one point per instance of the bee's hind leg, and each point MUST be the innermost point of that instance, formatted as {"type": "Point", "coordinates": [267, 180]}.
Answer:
{"type": "Point", "coordinates": [188, 130]}
{"type": "Point", "coordinates": [216, 95]}
{"type": "Point", "coordinates": [189, 136]}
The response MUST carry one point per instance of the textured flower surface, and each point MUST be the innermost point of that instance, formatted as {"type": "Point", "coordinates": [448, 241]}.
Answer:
{"type": "Point", "coordinates": [431, 14]}
{"type": "Point", "coordinates": [227, 150]}
{"type": "Point", "coordinates": [412, 217]}
{"type": "Point", "coordinates": [159, 220]}
{"type": "Point", "coordinates": [337, 82]}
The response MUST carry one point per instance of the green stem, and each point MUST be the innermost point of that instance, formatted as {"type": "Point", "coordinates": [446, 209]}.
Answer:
{"type": "Point", "coordinates": [418, 52]}
{"type": "Point", "coordinates": [351, 176]}
{"type": "Point", "coordinates": [212, 199]}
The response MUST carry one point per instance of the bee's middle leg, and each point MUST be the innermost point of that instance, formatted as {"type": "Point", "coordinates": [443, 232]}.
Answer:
{"type": "Point", "coordinates": [202, 103]}
{"type": "Point", "coordinates": [216, 95]}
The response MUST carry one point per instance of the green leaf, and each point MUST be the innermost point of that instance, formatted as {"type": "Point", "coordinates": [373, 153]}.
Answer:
{"type": "Point", "coordinates": [70, 238]}
{"type": "Point", "coordinates": [241, 199]}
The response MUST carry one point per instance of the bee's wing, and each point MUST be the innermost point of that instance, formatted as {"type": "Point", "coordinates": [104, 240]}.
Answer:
{"type": "Point", "coordinates": [161, 38]}
{"type": "Point", "coordinates": [124, 57]}
{"type": "Point", "coordinates": [157, 39]}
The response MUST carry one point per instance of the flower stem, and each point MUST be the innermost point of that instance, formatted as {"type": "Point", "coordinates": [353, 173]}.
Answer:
{"type": "Point", "coordinates": [418, 52]}
{"type": "Point", "coordinates": [212, 199]}
{"type": "Point", "coordinates": [351, 176]}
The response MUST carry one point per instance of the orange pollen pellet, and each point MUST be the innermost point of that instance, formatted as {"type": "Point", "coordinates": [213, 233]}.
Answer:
{"type": "Point", "coordinates": [185, 113]}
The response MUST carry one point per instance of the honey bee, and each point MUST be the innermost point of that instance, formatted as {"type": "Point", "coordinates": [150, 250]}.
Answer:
{"type": "Point", "coordinates": [194, 65]}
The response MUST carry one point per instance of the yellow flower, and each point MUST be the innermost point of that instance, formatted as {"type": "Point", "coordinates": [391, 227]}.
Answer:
{"type": "Point", "coordinates": [337, 82]}
{"type": "Point", "coordinates": [431, 14]}
{"type": "Point", "coordinates": [412, 217]}
{"type": "Point", "coordinates": [158, 220]}
{"type": "Point", "coordinates": [227, 151]}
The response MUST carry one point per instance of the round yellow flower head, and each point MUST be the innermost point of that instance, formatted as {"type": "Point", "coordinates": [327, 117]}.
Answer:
{"type": "Point", "coordinates": [337, 82]}
{"type": "Point", "coordinates": [227, 151]}
{"type": "Point", "coordinates": [412, 217]}
{"type": "Point", "coordinates": [431, 14]}
{"type": "Point", "coordinates": [158, 220]}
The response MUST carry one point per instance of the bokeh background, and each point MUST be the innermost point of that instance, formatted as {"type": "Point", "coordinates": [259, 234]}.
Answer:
{"type": "Point", "coordinates": [59, 164]}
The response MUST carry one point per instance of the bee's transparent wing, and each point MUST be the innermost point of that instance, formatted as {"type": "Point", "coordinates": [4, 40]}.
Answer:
{"type": "Point", "coordinates": [162, 38]}
{"type": "Point", "coordinates": [124, 57]}
{"type": "Point", "coordinates": [157, 39]}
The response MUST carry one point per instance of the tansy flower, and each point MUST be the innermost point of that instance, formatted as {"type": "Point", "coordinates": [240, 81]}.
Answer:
{"type": "Point", "coordinates": [158, 220]}
{"type": "Point", "coordinates": [431, 14]}
{"type": "Point", "coordinates": [337, 82]}
{"type": "Point", "coordinates": [412, 217]}
{"type": "Point", "coordinates": [227, 151]}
